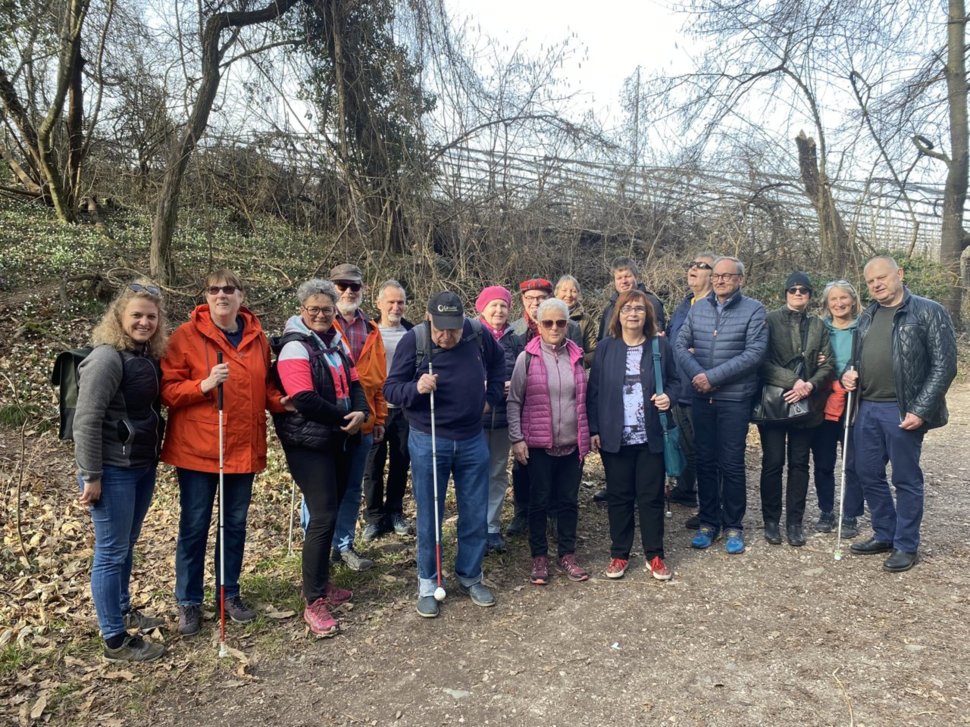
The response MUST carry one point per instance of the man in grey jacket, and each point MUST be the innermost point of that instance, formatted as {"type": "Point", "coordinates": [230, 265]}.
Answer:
{"type": "Point", "coordinates": [720, 347]}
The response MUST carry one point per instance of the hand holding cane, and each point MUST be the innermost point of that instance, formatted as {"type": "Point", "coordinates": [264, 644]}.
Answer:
{"type": "Point", "coordinates": [439, 592]}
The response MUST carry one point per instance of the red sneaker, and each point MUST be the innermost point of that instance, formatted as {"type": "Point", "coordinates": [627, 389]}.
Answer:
{"type": "Point", "coordinates": [336, 596]}
{"type": "Point", "coordinates": [616, 568]}
{"type": "Point", "coordinates": [659, 569]}
{"type": "Point", "coordinates": [318, 618]}
{"type": "Point", "coordinates": [573, 570]}
{"type": "Point", "coordinates": [540, 570]}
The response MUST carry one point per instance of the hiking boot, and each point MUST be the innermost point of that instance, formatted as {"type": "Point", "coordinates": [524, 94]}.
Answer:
{"type": "Point", "coordinates": [772, 533]}
{"type": "Point", "coordinates": [850, 527]}
{"type": "Point", "coordinates": [616, 568]}
{"type": "Point", "coordinates": [518, 526]}
{"type": "Point", "coordinates": [899, 562]}
{"type": "Point", "coordinates": [135, 619]}
{"type": "Point", "coordinates": [826, 522]}
{"type": "Point", "coordinates": [318, 618]}
{"type": "Point", "coordinates": [427, 607]}
{"type": "Point", "coordinates": [399, 525]}
{"type": "Point", "coordinates": [706, 535]}
{"type": "Point", "coordinates": [336, 596]}
{"type": "Point", "coordinates": [573, 570]}
{"type": "Point", "coordinates": [494, 543]}
{"type": "Point", "coordinates": [540, 570]}
{"type": "Point", "coordinates": [238, 611]}
{"type": "Point", "coordinates": [371, 532]}
{"type": "Point", "coordinates": [190, 620]}
{"type": "Point", "coordinates": [355, 561]}
{"type": "Point", "coordinates": [734, 541]}
{"type": "Point", "coordinates": [479, 594]}
{"type": "Point", "coordinates": [134, 648]}
{"type": "Point", "coordinates": [600, 495]}
{"type": "Point", "coordinates": [693, 522]}
{"type": "Point", "coordinates": [659, 569]}
{"type": "Point", "coordinates": [795, 535]}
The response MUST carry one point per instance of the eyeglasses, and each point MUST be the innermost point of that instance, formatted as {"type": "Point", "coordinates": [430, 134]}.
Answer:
{"type": "Point", "coordinates": [227, 289]}
{"type": "Point", "coordinates": [700, 265]}
{"type": "Point", "coordinates": [725, 276]}
{"type": "Point", "coordinates": [629, 310]}
{"type": "Point", "coordinates": [535, 298]}
{"type": "Point", "coordinates": [149, 289]}
{"type": "Point", "coordinates": [344, 284]}
{"type": "Point", "coordinates": [548, 324]}
{"type": "Point", "coordinates": [798, 290]}
{"type": "Point", "coordinates": [313, 311]}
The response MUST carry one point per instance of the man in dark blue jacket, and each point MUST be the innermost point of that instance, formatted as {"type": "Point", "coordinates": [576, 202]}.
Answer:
{"type": "Point", "coordinates": [719, 348]}
{"type": "Point", "coordinates": [466, 372]}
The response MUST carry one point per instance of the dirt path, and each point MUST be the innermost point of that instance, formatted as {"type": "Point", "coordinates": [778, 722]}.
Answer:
{"type": "Point", "coordinates": [776, 636]}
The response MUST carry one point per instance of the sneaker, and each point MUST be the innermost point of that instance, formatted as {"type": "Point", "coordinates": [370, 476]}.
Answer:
{"type": "Point", "coordinates": [706, 535]}
{"type": "Point", "coordinates": [336, 596]}
{"type": "Point", "coordinates": [733, 541]}
{"type": "Point", "coordinates": [238, 611]}
{"type": "Point", "coordinates": [540, 570]}
{"type": "Point", "coordinates": [135, 619]}
{"type": "Point", "coordinates": [518, 526]}
{"type": "Point", "coordinates": [427, 607]}
{"type": "Point", "coordinates": [659, 569]}
{"type": "Point", "coordinates": [318, 618]}
{"type": "Point", "coordinates": [190, 620]}
{"type": "Point", "coordinates": [826, 522]}
{"type": "Point", "coordinates": [693, 522]}
{"type": "Point", "coordinates": [371, 532]}
{"type": "Point", "coordinates": [399, 525]}
{"type": "Point", "coordinates": [134, 648]}
{"type": "Point", "coordinates": [355, 561]}
{"type": "Point", "coordinates": [573, 570]}
{"type": "Point", "coordinates": [479, 594]}
{"type": "Point", "coordinates": [600, 495]}
{"type": "Point", "coordinates": [494, 543]}
{"type": "Point", "coordinates": [616, 568]}
{"type": "Point", "coordinates": [850, 527]}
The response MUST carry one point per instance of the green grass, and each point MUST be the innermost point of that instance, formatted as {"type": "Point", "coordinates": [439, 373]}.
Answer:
{"type": "Point", "coordinates": [13, 658]}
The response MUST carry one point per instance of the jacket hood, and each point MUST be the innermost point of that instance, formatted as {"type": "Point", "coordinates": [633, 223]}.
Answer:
{"type": "Point", "coordinates": [202, 320]}
{"type": "Point", "coordinates": [295, 324]}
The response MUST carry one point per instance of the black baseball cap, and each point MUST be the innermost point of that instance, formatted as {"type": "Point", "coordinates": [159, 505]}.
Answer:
{"type": "Point", "coordinates": [446, 311]}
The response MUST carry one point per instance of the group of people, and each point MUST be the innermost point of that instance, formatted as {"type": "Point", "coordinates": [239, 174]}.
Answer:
{"type": "Point", "coordinates": [451, 397]}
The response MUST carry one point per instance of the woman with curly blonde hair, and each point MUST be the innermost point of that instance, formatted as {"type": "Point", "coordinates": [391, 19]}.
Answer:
{"type": "Point", "coordinates": [118, 430]}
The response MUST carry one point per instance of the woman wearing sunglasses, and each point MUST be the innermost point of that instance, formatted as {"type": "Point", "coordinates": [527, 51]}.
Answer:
{"type": "Point", "coordinates": [624, 421]}
{"type": "Point", "coordinates": [191, 376]}
{"type": "Point", "coordinates": [117, 437]}
{"type": "Point", "coordinates": [550, 433]}
{"type": "Point", "coordinates": [799, 360]}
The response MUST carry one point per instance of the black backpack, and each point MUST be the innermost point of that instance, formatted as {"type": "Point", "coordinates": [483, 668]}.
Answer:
{"type": "Point", "coordinates": [65, 377]}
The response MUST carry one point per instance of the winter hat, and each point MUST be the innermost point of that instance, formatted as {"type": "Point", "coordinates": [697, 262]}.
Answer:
{"type": "Point", "coordinates": [492, 292]}
{"type": "Point", "coordinates": [798, 278]}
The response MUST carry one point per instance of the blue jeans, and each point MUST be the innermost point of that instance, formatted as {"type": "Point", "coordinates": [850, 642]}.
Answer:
{"type": "Point", "coordinates": [720, 435]}
{"type": "Point", "coordinates": [197, 492]}
{"type": "Point", "coordinates": [467, 461]}
{"type": "Point", "coordinates": [343, 534]}
{"type": "Point", "coordinates": [877, 439]}
{"type": "Point", "coordinates": [126, 494]}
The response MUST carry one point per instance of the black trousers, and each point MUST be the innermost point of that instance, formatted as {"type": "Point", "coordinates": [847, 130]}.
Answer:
{"type": "Point", "coordinates": [322, 478]}
{"type": "Point", "coordinates": [378, 502]}
{"type": "Point", "coordinates": [776, 442]}
{"type": "Point", "coordinates": [635, 476]}
{"type": "Point", "coordinates": [554, 483]}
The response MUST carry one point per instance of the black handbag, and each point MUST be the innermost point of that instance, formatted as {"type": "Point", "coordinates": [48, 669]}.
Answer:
{"type": "Point", "coordinates": [771, 407]}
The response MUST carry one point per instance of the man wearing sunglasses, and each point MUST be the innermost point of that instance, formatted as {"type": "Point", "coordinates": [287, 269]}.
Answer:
{"type": "Point", "coordinates": [699, 271]}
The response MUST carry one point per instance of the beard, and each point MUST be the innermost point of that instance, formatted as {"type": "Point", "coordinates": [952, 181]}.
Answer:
{"type": "Point", "coordinates": [347, 309]}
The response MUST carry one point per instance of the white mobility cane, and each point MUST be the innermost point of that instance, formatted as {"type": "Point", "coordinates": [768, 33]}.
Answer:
{"type": "Point", "coordinates": [223, 651]}
{"type": "Point", "coordinates": [289, 538]}
{"type": "Point", "coordinates": [439, 592]}
{"type": "Point", "coordinates": [837, 554]}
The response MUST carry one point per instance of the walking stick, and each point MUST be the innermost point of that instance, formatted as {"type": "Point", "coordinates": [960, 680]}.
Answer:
{"type": "Point", "coordinates": [223, 651]}
{"type": "Point", "coordinates": [289, 538]}
{"type": "Point", "coordinates": [439, 592]}
{"type": "Point", "coordinates": [837, 553]}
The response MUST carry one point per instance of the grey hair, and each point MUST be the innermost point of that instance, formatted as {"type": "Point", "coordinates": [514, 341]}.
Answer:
{"type": "Point", "coordinates": [317, 286]}
{"type": "Point", "coordinates": [848, 288]}
{"type": "Point", "coordinates": [739, 266]}
{"type": "Point", "coordinates": [567, 278]}
{"type": "Point", "coordinates": [390, 283]}
{"type": "Point", "coordinates": [552, 303]}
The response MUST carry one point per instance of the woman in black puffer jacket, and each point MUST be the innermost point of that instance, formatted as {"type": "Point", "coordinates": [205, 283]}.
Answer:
{"type": "Point", "coordinates": [316, 373]}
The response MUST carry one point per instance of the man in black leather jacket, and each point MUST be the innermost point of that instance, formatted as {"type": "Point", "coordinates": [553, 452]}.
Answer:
{"type": "Point", "coordinates": [906, 357]}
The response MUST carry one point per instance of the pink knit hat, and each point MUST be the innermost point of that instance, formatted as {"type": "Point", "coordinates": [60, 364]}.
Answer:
{"type": "Point", "coordinates": [492, 292]}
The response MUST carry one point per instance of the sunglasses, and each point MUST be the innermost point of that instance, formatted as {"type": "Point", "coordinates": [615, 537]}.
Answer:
{"type": "Point", "coordinates": [344, 284]}
{"type": "Point", "coordinates": [148, 289]}
{"type": "Point", "coordinates": [216, 289]}
{"type": "Point", "coordinates": [700, 265]}
{"type": "Point", "coordinates": [548, 324]}
{"type": "Point", "coordinates": [798, 290]}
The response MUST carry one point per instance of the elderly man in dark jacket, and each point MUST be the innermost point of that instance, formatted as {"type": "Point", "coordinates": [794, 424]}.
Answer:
{"type": "Point", "coordinates": [720, 347]}
{"type": "Point", "coordinates": [906, 360]}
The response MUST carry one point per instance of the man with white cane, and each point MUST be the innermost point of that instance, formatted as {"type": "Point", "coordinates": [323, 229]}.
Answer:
{"type": "Point", "coordinates": [448, 356]}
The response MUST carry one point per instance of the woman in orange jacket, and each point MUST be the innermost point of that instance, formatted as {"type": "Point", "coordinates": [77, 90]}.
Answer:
{"type": "Point", "coordinates": [191, 375]}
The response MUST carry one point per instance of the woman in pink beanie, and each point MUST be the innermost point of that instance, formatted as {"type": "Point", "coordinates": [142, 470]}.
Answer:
{"type": "Point", "coordinates": [493, 305]}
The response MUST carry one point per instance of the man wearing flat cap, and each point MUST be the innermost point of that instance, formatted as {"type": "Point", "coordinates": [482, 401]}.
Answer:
{"type": "Point", "coordinates": [465, 370]}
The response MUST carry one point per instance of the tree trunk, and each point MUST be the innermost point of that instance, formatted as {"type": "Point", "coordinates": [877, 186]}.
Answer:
{"type": "Point", "coordinates": [835, 247]}
{"type": "Point", "coordinates": [166, 211]}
